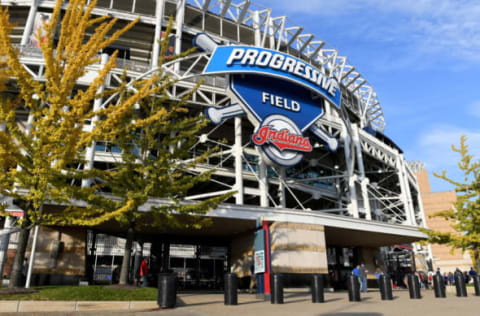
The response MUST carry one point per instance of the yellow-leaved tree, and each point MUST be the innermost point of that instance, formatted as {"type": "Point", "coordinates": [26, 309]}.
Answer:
{"type": "Point", "coordinates": [39, 157]}
{"type": "Point", "coordinates": [155, 173]}
{"type": "Point", "coordinates": [464, 215]}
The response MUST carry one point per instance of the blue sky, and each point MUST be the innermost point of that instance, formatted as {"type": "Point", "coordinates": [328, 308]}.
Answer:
{"type": "Point", "coordinates": [423, 59]}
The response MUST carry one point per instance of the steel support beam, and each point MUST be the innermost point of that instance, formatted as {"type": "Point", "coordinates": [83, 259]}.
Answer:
{"type": "Point", "coordinates": [237, 151]}
{"type": "Point", "coordinates": [179, 18]}
{"type": "Point", "coordinates": [353, 205]}
{"type": "Point", "coordinates": [90, 153]}
{"type": "Point", "coordinates": [27, 31]}
{"type": "Point", "coordinates": [159, 8]}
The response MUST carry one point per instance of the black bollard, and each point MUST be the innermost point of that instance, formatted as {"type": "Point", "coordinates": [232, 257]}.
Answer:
{"type": "Point", "coordinates": [167, 290]}
{"type": "Point", "coordinates": [460, 285]}
{"type": "Point", "coordinates": [354, 289]}
{"type": "Point", "coordinates": [476, 284]}
{"type": "Point", "coordinates": [439, 286]}
{"type": "Point", "coordinates": [231, 286]}
{"type": "Point", "coordinates": [414, 286]}
{"type": "Point", "coordinates": [317, 289]}
{"type": "Point", "coordinates": [276, 288]}
{"type": "Point", "coordinates": [385, 285]}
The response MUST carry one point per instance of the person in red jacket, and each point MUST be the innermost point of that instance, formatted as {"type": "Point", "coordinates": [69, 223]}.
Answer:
{"type": "Point", "coordinates": [144, 272]}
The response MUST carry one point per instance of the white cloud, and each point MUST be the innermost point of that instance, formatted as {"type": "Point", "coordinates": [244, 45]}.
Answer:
{"type": "Point", "coordinates": [447, 27]}
{"type": "Point", "coordinates": [434, 147]}
{"type": "Point", "coordinates": [474, 108]}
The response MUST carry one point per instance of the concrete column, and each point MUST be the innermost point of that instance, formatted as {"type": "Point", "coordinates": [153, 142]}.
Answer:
{"type": "Point", "coordinates": [281, 188]}
{"type": "Point", "coordinates": [361, 170]}
{"type": "Point", "coordinates": [353, 205]}
{"type": "Point", "coordinates": [366, 200]}
{"type": "Point", "coordinates": [237, 151]}
{"type": "Point", "coordinates": [90, 154]}
{"type": "Point", "coordinates": [4, 241]}
{"type": "Point", "coordinates": [422, 211]}
{"type": "Point", "coordinates": [408, 193]}
{"type": "Point", "coordinates": [159, 8]}
{"type": "Point", "coordinates": [271, 34]}
{"type": "Point", "coordinates": [404, 189]}
{"type": "Point", "coordinates": [30, 22]}
{"type": "Point", "coordinates": [358, 150]}
{"type": "Point", "coordinates": [263, 183]}
{"type": "Point", "coordinates": [179, 29]}
{"type": "Point", "coordinates": [256, 27]}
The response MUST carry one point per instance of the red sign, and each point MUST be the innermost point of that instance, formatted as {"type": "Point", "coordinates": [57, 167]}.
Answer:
{"type": "Point", "coordinates": [281, 139]}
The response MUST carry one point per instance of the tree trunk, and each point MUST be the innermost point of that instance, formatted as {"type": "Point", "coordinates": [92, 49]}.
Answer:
{"type": "Point", "coordinates": [126, 257]}
{"type": "Point", "coordinates": [477, 263]}
{"type": "Point", "coordinates": [17, 275]}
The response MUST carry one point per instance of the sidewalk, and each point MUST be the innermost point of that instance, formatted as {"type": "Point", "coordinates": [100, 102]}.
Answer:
{"type": "Point", "coordinates": [296, 303]}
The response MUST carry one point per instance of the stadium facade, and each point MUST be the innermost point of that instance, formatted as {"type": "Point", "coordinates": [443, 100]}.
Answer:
{"type": "Point", "coordinates": [305, 149]}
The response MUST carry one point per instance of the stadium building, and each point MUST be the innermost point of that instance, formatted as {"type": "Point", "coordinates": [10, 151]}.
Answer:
{"type": "Point", "coordinates": [305, 150]}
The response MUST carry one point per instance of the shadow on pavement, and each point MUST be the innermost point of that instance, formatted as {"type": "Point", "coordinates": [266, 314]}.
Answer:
{"type": "Point", "coordinates": [333, 300]}
{"type": "Point", "coordinates": [251, 302]}
{"type": "Point", "coordinates": [181, 303]}
{"type": "Point", "coordinates": [296, 301]}
{"type": "Point", "coordinates": [351, 314]}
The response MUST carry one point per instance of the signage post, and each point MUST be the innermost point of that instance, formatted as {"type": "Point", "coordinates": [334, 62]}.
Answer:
{"type": "Point", "coordinates": [267, 260]}
{"type": "Point", "coordinates": [259, 257]}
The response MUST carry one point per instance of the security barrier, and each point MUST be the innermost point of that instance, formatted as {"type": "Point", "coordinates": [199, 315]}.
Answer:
{"type": "Point", "coordinates": [231, 286]}
{"type": "Point", "coordinates": [385, 285]}
{"type": "Point", "coordinates": [317, 288]}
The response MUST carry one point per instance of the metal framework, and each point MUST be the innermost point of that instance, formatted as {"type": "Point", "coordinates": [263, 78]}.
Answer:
{"type": "Point", "coordinates": [366, 179]}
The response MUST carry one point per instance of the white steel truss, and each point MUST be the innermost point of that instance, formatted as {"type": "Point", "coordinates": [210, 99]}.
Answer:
{"type": "Point", "coordinates": [278, 33]}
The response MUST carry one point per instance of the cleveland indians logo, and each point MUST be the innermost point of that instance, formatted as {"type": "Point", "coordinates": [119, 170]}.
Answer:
{"type": "Point", "coordinates": [261, 81]}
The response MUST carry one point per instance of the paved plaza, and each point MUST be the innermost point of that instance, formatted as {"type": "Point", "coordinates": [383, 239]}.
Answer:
{"type": "Point", "coordinates": [297, 302]}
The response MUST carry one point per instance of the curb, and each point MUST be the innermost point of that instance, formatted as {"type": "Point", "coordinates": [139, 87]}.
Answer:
{"type": "Point", "coordinates": [75, 306]}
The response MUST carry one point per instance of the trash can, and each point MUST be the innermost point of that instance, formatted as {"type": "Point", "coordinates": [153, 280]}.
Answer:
{"type": "Point", "coordinates": [414, 286]}
{"type": "Point", "coordinates": [276, 288]}
{"type": "Point", "coordinates": [354, 289]}
{"type": "Point", "coordinates": [231, 286]}
{"type": "Point", "coordinates": [439, 286]}
{"type": "Point", "coordinates": [167, 290]}
{"type": "Point", "coordinates": [317, 289]}
{"type": "Point", "coordinates": [385, 285]}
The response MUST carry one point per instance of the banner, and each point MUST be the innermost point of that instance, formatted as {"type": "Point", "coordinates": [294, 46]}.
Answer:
{"type": "Point", "coordinates": [248, 59]}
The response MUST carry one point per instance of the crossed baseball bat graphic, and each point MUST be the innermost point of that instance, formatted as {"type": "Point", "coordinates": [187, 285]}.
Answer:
{"type": "Point", "coordinates": [217, 115]}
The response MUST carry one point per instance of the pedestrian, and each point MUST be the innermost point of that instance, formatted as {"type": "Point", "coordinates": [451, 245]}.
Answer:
{"type": "Point", "coordinates": [421, 278]}
{"type": "Point", "coordinates": [445, 277]}
{"type": "Point", "coordinates": [472, 273]}
{"type": "Point", "coordinates": [356, 271]}
{"type": "Point", "coordinates": [451, 279]}
{"type": "Point", "coordinates": [430, 278]}
{"type": "Point", "coordinates": [378, 273]}
{"type": "Point", "coordinates": [253, 280]}
{"type": "Point", "coordinates": [24, 270]}
{"type": "Point", "coordinates": [363, 278]}
{"type": "Point", "coordinates": [144, 272]}
{"type": "Point", "coordinates": [466, 276]}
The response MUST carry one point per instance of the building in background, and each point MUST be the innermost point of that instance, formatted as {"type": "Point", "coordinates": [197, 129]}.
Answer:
{"type": "Point", "coordinates": [342, 192]}
{"type": "Point", "coordinates": [433, 202]}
